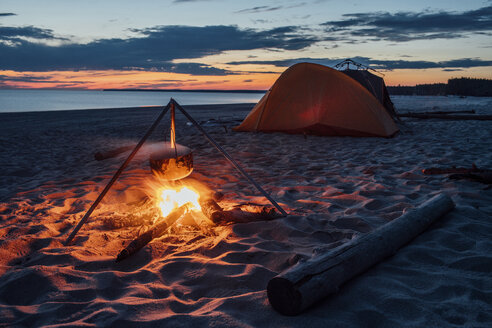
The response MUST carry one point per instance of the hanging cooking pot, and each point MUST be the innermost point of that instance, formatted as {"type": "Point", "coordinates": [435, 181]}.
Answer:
{"type": "Point", "coordinates": [174, 161]}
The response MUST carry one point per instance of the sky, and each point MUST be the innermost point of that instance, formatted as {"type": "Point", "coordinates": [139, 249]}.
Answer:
{"type": "Point", "coordinates": [226, 44]}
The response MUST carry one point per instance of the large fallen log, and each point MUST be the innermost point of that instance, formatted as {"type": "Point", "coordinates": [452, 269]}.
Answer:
{"type": "Point", "coordinates": [296, 289]}
{"type": "Point", "coordinates": [448, 117]}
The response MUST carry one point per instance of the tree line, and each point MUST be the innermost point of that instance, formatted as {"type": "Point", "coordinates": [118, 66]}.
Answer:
{"type": "Point", "coordinates": [458, 86]}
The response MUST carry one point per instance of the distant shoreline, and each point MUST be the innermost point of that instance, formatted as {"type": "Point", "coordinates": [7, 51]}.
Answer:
{"type": "Point", "coordinates": [194, 90]}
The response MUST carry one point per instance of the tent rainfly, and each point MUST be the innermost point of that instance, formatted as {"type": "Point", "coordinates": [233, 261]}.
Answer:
{"type": "Point", "coordinates": [315, 99]}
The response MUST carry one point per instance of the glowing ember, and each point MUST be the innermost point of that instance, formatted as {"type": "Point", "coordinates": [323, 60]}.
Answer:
{"type": "Point", "coordinates": [171, 199]}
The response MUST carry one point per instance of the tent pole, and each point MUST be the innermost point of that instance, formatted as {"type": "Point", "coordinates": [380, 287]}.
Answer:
{"type": "Point", "coordinates": [229, 158]}
{"type": "Point", "coordinates": [116, 175]}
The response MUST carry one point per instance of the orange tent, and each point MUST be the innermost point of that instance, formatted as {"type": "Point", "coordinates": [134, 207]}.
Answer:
{"type": "Point", "coordinates": [315, 99]}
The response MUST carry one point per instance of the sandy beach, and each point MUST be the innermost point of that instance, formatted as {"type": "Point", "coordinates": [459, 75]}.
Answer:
{"type": "Point", "coordinates": [335, 189]}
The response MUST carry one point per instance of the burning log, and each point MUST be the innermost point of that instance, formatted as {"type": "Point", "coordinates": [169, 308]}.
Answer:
{"type": "Point", "coordinates": [156, 231]}
{"type": "Point", "coordinates": [204, 224]}
{"type": "Point", "coordinates": [141, 213]}
{"type": "Point", "coordinates": [211, 209]}
{"type": "Point", "coordinates": [217, 215]}
{"type": "Point", "coordinates": [296, 289]}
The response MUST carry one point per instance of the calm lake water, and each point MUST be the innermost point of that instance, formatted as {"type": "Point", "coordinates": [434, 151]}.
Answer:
{"type": "Point", "coordinates": [48, 100]}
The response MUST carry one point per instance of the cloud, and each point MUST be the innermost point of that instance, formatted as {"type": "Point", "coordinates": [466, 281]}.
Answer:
{"type": "Point", "coordinates": [26, 78]}
{"type": "Point", "coordinates": [289, 62]}
{"type": "Point", "coordinates": [16, 34]}
{"type": "Point", "coordinates": [185, 1]}
{"type": "Point", "coordinates": [261, 9]}
{"type": "Point", "coordinates": [407, 26]}
{"type": "Point", "coordinates": [6, 82]}
{"type": "Point", "coordinates": [258, 9]}
{"type": "Point", "coordinates": [377, 64]}
{"type": "Point", "coordinates": [455, 63]}
{"type": "Point", "coordinates": [7, 14]}
{"type": "Point", "coordinates": [154, 50]}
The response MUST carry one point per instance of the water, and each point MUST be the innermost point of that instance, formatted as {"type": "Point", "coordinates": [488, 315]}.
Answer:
{"type": "Point", "coordinates": [49, 100]}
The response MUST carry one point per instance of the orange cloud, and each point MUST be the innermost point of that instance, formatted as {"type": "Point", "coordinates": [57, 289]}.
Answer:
{"type": "Point", "coordinates": [96, 80]}
{"type": "Point", "coordinates": [112, 79]}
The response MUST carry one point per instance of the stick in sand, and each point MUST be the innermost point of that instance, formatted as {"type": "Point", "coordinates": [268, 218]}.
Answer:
{"type": "Point", "coordinates": [116, 175]}
{"type": "Point", "coordinates": [296, 289]}
{"type": "Point", "coordinates": [156, 231]}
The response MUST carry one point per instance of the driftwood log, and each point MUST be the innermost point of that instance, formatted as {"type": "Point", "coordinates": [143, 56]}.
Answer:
{"type": "Point", "coordinates": [156, 231]}
{"type": "Point", "coordinates": [219, 216]}
{"type": "Point", "coordinates": [296, 289]}
{"type": "Point", "coordinates": [447, 117]}
{"type": "Point", "coordinates": [455, 170]}
{"type": "Point", "coordinates": [485, 178]}
{"type": "Point", "coordinates": [474, 174]}
{"type": "Point", "coordinates": [440, 112]}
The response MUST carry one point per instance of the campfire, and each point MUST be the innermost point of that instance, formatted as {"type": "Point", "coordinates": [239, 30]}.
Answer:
{"type": "Point", "coordinates": [181, 201]}
{"type": "Point", "coordinates": [171, 199]}
{"type": "Point", "coordinates": [188, 205]}
{"type": "Point", "coordinates": [168, 196]}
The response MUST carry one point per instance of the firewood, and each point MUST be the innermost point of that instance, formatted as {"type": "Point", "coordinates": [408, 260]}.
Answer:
{"type": "Point", "coordinates": [156, 231]}
{"type": "Point", "coordinates": [204, 224]}
{"type": "Point", "coordinates": [139, 213]}
{"type": "Point", "coordinates": [217, 215]}
{"type": "Point", "coordinates": [296, 289]}
{"type": "Point", "coordinates": [210, 208]}
{"type": "Point", "coordinates": [240, 216]}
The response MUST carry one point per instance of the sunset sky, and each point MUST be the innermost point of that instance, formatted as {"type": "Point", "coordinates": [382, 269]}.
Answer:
{"type": "Point", "coordinates": [224, 44]}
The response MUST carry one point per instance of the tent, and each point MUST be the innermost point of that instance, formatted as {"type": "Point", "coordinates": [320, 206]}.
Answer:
{"type": "Point", "coordinates": [375, 85]}
{"type": "Point", "coordinates": [315, 99]}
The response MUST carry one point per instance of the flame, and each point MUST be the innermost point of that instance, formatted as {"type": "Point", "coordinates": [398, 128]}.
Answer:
{"type": "Point", "coordinates": [170, 199]}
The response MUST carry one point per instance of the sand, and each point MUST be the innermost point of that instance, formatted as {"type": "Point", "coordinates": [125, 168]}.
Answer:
{"type": "Point", "coordinates": [335, 189]}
